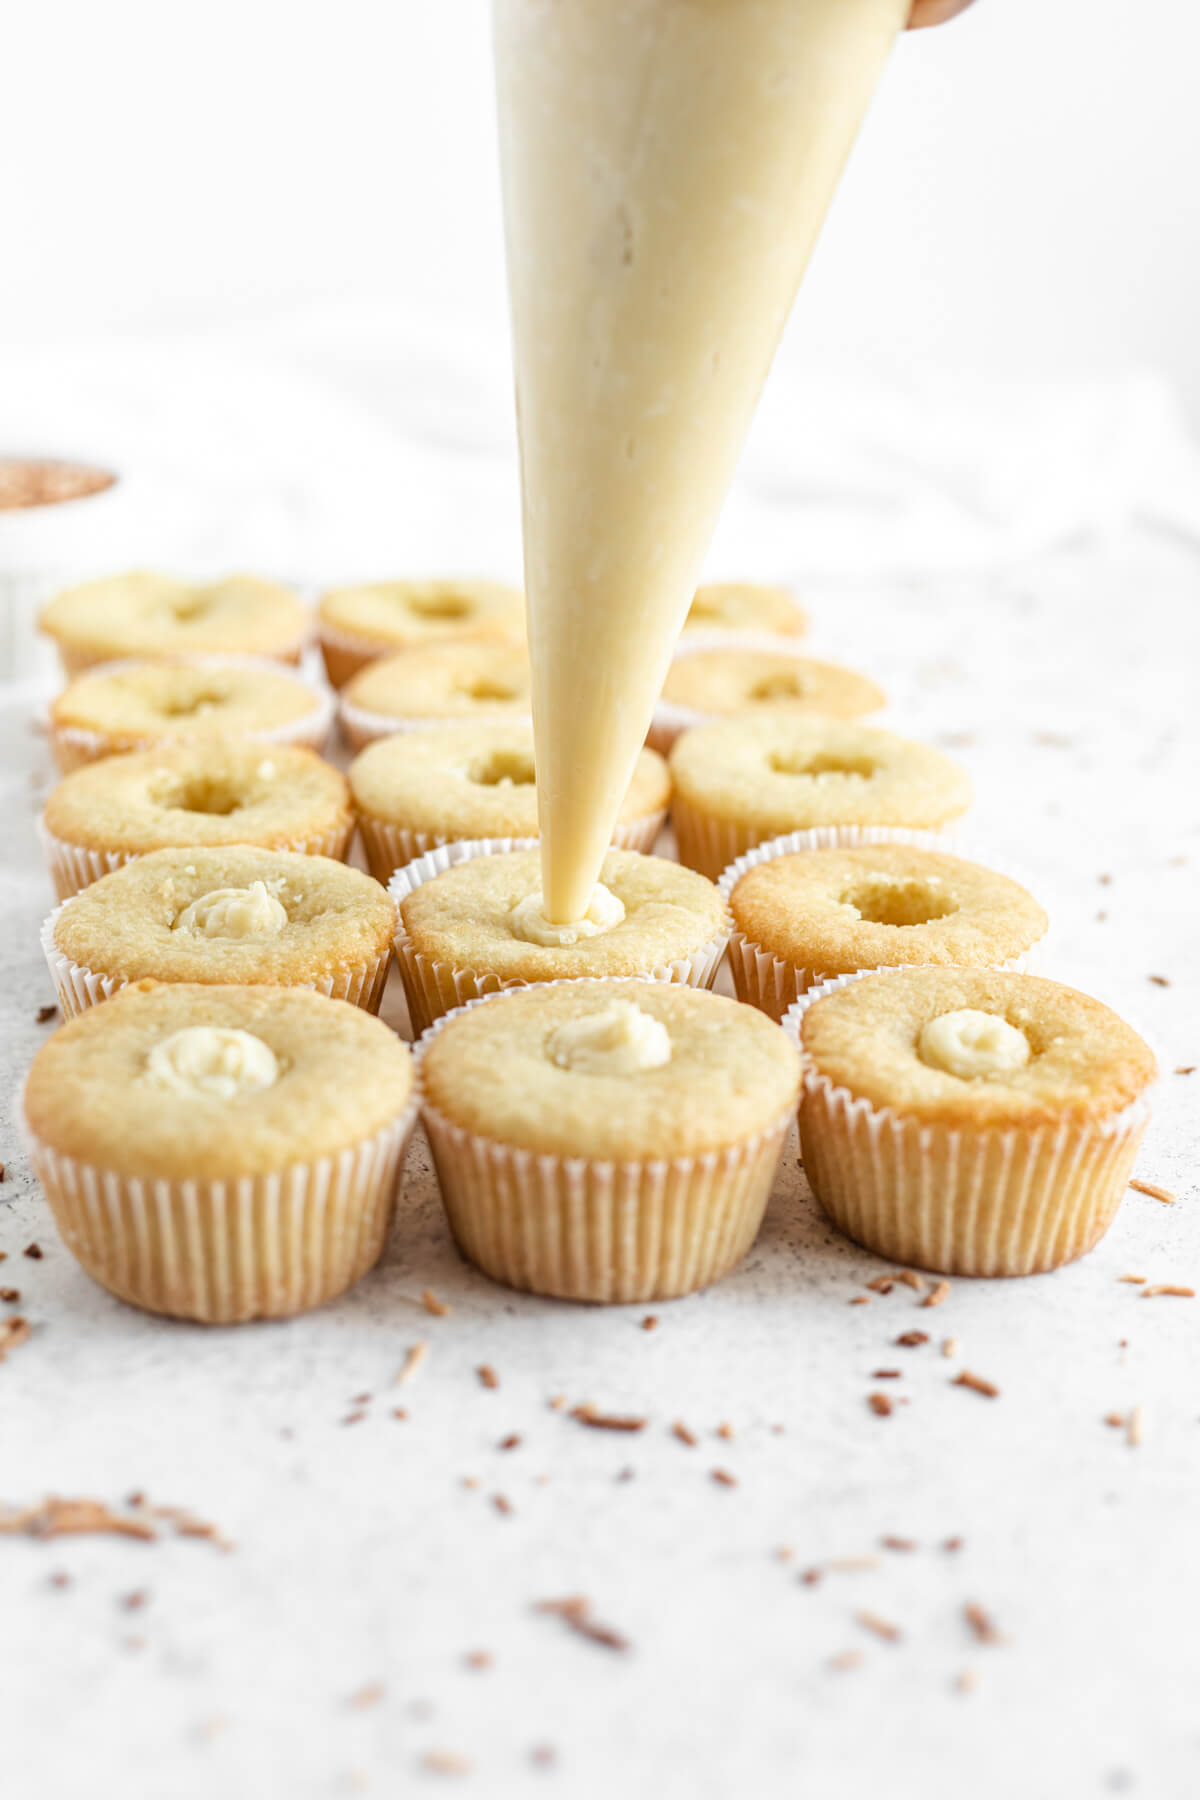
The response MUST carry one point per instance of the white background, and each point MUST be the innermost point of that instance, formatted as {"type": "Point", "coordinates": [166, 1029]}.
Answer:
{"type": "Point", "coordinates": [1023, 199]}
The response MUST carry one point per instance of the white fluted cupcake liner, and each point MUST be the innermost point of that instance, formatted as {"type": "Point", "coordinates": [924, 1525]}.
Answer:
{"type": "Point", "coordinates": [389, 847]}
{"type": "Point", "coordinates": [709, 845]}
{"type": "Point", "coordinates": [78, 988]}
{"type": "Point", "coordinates": [74, 866]}
{"type": "Point", "coordinates": [360, 727]}
{"type": "Point", "coordinates": [221, 1252]}
{"type": "Point", "coordinates": [603, 1231]}
{"type": "Point", "coordinates": [72, 745]}
{"type": "Point", "coordinates": [434, 988]}
{"type": "Point", "coordinates": [986, 1202]}
{"type": "Point", "coordinates": [771, 983]}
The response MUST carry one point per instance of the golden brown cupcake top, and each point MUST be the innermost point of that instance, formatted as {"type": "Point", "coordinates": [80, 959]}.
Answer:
{"type": "Point", "coordinates": [395, 615]}
{"type": "Point", "coordinates": [976, 1047]}
{"type": "Point", "coordinates": [736, 679]}
{"type": "Point", "coordinates": [148, 613]}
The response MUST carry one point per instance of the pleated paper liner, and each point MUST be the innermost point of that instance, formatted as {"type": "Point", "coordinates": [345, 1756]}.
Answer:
{"type": "Point", "coordinates": [433, 988]}
{"type": "Point", "coordinates": [577, 1228]}
{"type": "Point", "coordinates": [72, 745]}
{"type": "Point", "coordinates": [991, 1202]}
{"type": "Point", "coordinates": [77, 987]}
{"type": "Point", "coordinates": [222, 1252]}
{"type": "Point", "coordinates": [73, 866]}
{"type": "Point", "coordinates": [75, 661]}
{"type": "Point", "coordinates": [389, 847]}
{"type": "Point", "coordinates": [360, 727]}
{"type": "Point", "coordinates": [769, 982]}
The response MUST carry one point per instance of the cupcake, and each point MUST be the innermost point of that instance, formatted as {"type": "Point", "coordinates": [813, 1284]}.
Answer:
{"type": "Point", "coordinates": [356, 625]}
{"type": "Point", "coordinates": [973, 1121]}
{"type": "Point", "coordinates": [464, 683]}
{"type": "Point", "coordinates": [744, 678]}
{"type": "Point", "coordinates": [145, 613]}
{"type": "Point", "coordinates": [424, 788]}
{"type": "Point", "coordinates": [108, 812]}
{"type": "Point", "coordinates": [745, 606]}
{"type": "Point", "coordinates": [138, 705]}
{"type": "Point", "coordinates": [221, 1153]}
{"type": "Point", "coordinates": [471, 921]}
{"type": "Point", "coordinates": [801, 914]}
{"type": "Point", "coordinates": [606, 1140]}
{"type": "Point", "coordinates": [232, 915]}
{"type": "Point", "coordinates": [740, 781]}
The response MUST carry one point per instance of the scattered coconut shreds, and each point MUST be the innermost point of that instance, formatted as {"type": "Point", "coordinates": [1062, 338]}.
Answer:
{"type": "Point", "coordinates": [34, 1252]}
{"type": "Point", "coordinates": [860, 1300]}
{"type": "Point", "coordinates": [556, 1402]}
{"type": "Point", "coordinates": [977, 1385]}
{"type": "Point", "coordinates": [1165, 1288]}
{"type": "Point", "coordinates": [432, 1304]}
{"type": "Point", "coordinates": [883, 1628]}
{"type": "Point", "coordinates": [952, 1544]}
{"type": "Point", "coordinates": [367, 1696]}
{"type": "Point", "coordinates": [949, 1346]}
{"type": "Point", "coordinates": [899, 1543]}
{"type": "Point", "coordinates": [650, 1322]}
{"type": "Point", "coordinates": [510, 1442]}
{"type": "Point", "coordinates": [1115, 1419]}
{"type": "Point", "coordinates": [725, 1430]}
{"type": "Point", "coordinates": [785, 1554]}
{"type": "Point", "coordinates": [882, 1284]}
{"type": "Point", "coordinates": [1159, 980]}
{"type": "Point", "coordinates": [810, 1577]}
{"type": "Point", "coordinates": [479, 1659]}
{"type": "Point", "coordinates": [846, 1660]}
{"type": "Point", "coordinates": [886, 1374]}
{"type": "Point", "coordinates": [684, 1434]}
{"type": "Point", "coordinates": [14, 1332]}
{"type": "Point", "coordinates": [446, 1762]}
{"type": "Point", "coordinates": [981, 1623]}
{"type": "Point", "coordinates": [488, 1376]}
{"type": "Point", "coordinates": [938, 1292]}
{"type": "Point", "coordinates": [881, 1405]}
{"type": "Point", "coordinates": [1135, 1427]}
{"type": "Point", "coordinates": [1152, 1188]}
{"type": "Point", "coordinates": [600, 1421]}
{"type": "Point", "coordinates": [412, 1364]}
{"type": "Point", "coordinates": [55, 1517]}
{"type": "Point", "coordinates": [723, 1478]}
{"type": "Point", "coordinates": [576, 1612]}
{"type": "Point", "coordinates": [1185, 1068]}
{"type": "Point", "coordinates": [502, 1504]}
{"type": "Point", "coordinates": [1135, 1279]}
{"type": "Point", "coordinates": [966, 1682]}
{"type": "Point", "coordinates": [909, 1340]}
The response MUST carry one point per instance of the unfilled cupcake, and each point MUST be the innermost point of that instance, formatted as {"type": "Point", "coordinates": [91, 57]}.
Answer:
{"type": "Point", "coordinates": [745, 606]}
{"type": "Point", "coordinates": [146, 613]}
{"type": "Point", "coordinates": [472, 921]}
{"type": "Point", "coordinates": [802, 914]}
{"type": "Point", "coordinates": [738, 678]}
{"type": "Point", "coordinates": [137, 705]}
{"type": "Point", "coordinates": [276, 796]}
{"type": "Point", "coordinates": [356, 625]}
{"type": "Point", "coordinates": [221, 1153]}
{"type": "Point", "coordinates": [967, 1120]}
{"type": "Point", "coordinates": [606, 1140]}
{"type": "Point", "coordinates": [461, 683]}
{"type": "Point", "coordinates": [424, 788]}
{"type": "Point", "coordinates": [740, 781]}
{"type": "Point", "coordinates": [235, 915]}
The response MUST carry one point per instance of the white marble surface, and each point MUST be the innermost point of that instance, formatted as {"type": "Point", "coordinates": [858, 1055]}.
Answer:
{"type": "Point", "coordinates": [1068, 686]}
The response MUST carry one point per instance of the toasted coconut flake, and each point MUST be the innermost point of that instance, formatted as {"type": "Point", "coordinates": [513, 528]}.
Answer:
{"type": "Point", "coordinates": [880, 1404]}
{"type": "Point", "coordinates": [939, 1292]}
{"type": "Point", "coordinates": [1165, 1288]}
{"type": "Point", "coordinates": [684, 1434]}
{"type": "Point", "coordinates": [977, 1384]}
{"type": "Point", "coordinates": [882, 1628]}
{"type": "Point", "coordinates": [981, 1623]}
{"type": "Point", "coordinates": [723, 1478]}
{"type": "Point", "coordinates": [413, 1363]}
{"type": "Point", "coordinates": [1135, 1427]}
{"type": "Point", "coordinates": [432, 1304]}
{"type": "Point", "coordinates": [600, 1421]}
{"type": "Point", "coordinates": [575, 1610]}
{"type": "Point", "coordinates": [846, 1660]}
{"type": "Point", "coordinates": [488, 1376]}
{"type": "Point", "coordinates": [909, 1340]}
{"type": "Point", "coordinates": [1152, 1188]}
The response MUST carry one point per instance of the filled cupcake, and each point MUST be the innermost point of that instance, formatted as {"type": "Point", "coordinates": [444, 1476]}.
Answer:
{"type": "Point", "coordinates": [463, 683]}
{"type": "Point", "coordinates": [801, 914]}
{"type": "Point", "coordinates": [145, 614]}
{"type": "Point", "coordinates": [220, 793]}
{"type": "Point", "coordinates": [356, 625]}
{"type": "Point", "coordinates": [138, 705]}
{"type": "Point", "coordinates": [745, 606]}
{"type": "Point", "coordinates": [743, 678]}
{"type": "Point", "coordinates": [221, 1153]}
{"type": "Point", "coordinates": [420, 789]}
{"type": "Point", "coordinates": [973, 1121]}
{"type": "Point", "coordinates": [472, 921]}
{"type": "Point", "coordinates": [233, 914]}
{"type": "Point", "coordinates": [740, 781]}
{"type": "Point", "coordinates": [606, 1140]}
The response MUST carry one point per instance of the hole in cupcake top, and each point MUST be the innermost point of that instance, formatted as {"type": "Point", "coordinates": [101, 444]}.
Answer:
{"type": "Point", "coordinates": [488, 688]}
{"type": "Point", "coordinates": [503, 768]}
{"type": "Point", "coordinates": [439, 606]}
{"type": "Point", "coordinates": [188, 606]}
{"type": "Point", "coordinates": [188, 706]}
{"type": "Point", "coordinates": [783, 685]}
{"type": "Point", "coordinates": [888, 901]}
{"type": "Point", "coordinates": [816, 763]}
{"type": "Point", "coordinates": [704, 607]}
{"type": "Point", "coordinates": [201, 794]}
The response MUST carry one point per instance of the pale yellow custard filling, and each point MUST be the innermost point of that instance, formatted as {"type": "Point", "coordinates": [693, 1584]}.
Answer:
{"type": "Point", "coordinates": [972, 1044]}
{"type": "Point", "coordinates": [234, 912]}
{"type": "Point", "coordinates": [530, 921]}
{"type": "Point", "coordinates": [621, 1040]}
{"type": "Point", "coordinates": [213, 1061]}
